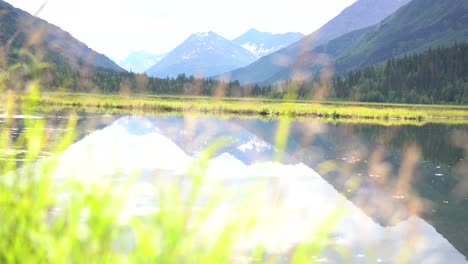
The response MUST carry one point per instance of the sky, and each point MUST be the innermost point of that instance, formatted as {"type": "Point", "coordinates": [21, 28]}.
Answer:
{"type": "Point", "coordinates": [118, 27]}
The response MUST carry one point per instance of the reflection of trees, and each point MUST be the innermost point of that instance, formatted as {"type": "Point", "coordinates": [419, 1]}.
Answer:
{"type": "Point", "coordinates": [432, 139]}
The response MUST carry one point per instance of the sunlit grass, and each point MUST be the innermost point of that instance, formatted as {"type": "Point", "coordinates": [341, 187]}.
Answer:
{"type": "Point", "coordinates": [387, 114]}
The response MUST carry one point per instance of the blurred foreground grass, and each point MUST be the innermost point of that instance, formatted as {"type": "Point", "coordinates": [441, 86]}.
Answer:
{"type": "Point", "coordinates": [45, 219]}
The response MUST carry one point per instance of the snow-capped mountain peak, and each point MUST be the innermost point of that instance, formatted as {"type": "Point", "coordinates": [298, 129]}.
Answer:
{"type": "Point", "coordinates": [202, 34]}
{"type": "Point", "coordinates": [202, 54]}
{"type": "Point", "coordinates": [205, 34]}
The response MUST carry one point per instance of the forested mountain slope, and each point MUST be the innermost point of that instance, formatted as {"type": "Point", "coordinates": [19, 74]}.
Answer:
{"type": "Point", "coordinates": [414, 28]}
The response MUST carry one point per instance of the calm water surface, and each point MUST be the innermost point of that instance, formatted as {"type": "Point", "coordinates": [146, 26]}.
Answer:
{"type": "Point", "coordinates": [400, 184]}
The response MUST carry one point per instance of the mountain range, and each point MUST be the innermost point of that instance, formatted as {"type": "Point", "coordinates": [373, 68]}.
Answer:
{"type": "Point", "coordinates": [207, 53]}
{"type": "Point", "coordinates": [414, 27]}
{"type": "Point", "coordinates": [298, 58]}
{"type": "Point", "coordinates": [47, 42]}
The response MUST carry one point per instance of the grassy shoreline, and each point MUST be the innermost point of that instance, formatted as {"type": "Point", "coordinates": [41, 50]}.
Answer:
{"type": "Point", "coordinates": [266, 108]}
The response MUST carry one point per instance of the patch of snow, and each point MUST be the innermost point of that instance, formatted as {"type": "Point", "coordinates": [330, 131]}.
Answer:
{"type": "Point", "coordinates": [254, 144]}
{"type": "Point", "coordinates": [251, 48]}
{"type": "Point", "coordinates": [150, 63]}
{"type": "Point", "coordinates": [202, 34]}
{"type": "Point", "coordinates": [258, 51]}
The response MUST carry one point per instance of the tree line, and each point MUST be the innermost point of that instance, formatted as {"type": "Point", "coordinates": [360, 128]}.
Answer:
{"type": "Point", "coordinates": [436, 76]}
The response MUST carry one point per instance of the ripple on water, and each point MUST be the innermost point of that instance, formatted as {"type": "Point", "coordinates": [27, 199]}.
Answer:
{"type": "Point", "coordinates": [3, 116]}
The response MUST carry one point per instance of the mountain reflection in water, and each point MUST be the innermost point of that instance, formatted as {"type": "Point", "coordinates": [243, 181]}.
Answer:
{"type": "Point", "coordinates": [292, 199]}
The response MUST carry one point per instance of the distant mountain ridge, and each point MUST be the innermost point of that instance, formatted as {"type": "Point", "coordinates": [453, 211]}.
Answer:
{"type": "Point", "coordinates": [264, 43]}
{"type": "Point", "coordinates": [284, 64]}
{"type": "Point", "coordinates": [202, 54]}
{"type": "Point", "coordinates": [361, 14]}
{"type": "Point", "coordinates": [21, 30]}
{"type": "Point", "coordinates": [140, 61]}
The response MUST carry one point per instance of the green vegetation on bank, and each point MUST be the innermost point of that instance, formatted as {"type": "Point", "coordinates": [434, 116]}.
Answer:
{"type": "Point", "coordinates": [256, 107]}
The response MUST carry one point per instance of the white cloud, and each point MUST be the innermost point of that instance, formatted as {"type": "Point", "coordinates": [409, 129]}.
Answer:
{"type": "Point", "coordinates": [117, 27]}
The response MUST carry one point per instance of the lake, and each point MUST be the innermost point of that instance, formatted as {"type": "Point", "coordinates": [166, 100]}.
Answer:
{"type": "Point", "coordinates": [395, 191]}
